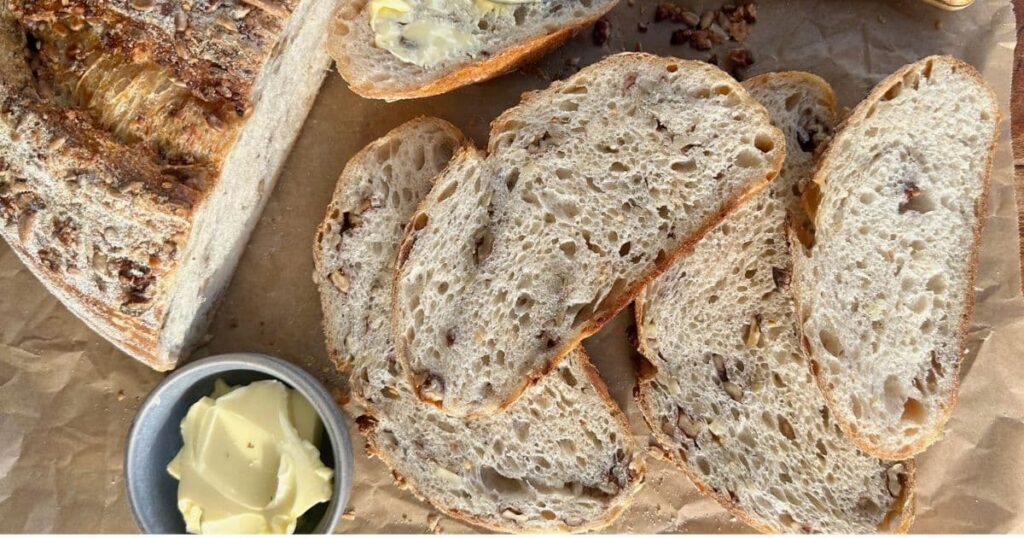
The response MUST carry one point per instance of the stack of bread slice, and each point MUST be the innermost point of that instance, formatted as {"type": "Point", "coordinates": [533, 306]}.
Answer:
{"type": "Point", "coordinates": [457, 284]}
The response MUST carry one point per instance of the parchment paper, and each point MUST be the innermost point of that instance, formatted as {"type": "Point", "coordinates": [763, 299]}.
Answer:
{"type": "Point", "coordinates": [67, 397]}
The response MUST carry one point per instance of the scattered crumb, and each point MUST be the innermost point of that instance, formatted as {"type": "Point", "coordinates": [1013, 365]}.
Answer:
{"type": "Point", "coordinates": [120, 396]}
{"type": "Point", "coordinates": [881, 19]}
{"type": "Point", "coordinates": [349, 515]}
{"type": "Point", "coordinates": [938, 25]}
{"type": "Point", "coordinates": [433, 520]}
{"type": "Point", "coordinates": [641, 27]}
{"type": "Point", "coordinates": [630, 3]}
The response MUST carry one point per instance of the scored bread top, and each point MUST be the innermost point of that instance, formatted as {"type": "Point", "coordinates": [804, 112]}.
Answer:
{"type": "Point", "coordinates": [561, 459]}
{"type": "Point", "coordinates": [590, 188]}
{"type": "Point", "coordinates": [727, 392]}
{"type": "Point", "coordinates": [508, 35]}
{"type": "Point", "coordinates": [887, 289]}
{"type": "Point", "coordinates": [116, 120]}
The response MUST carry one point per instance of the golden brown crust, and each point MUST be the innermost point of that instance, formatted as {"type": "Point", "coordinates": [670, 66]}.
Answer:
{"type": "Point", "coordinates": [473, 71]}
{"type": "Point", "coordinates": [859, 113]}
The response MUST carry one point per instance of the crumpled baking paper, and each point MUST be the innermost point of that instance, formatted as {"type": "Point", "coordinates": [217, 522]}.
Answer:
{"type": "Point", "coordinates": [67, 397]}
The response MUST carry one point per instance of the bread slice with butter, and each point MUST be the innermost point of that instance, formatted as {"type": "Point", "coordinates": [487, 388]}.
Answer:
{"type": "Point", "coordinates": [727, 391]}
{"type": "Point", "coordinates": [561, 459]}
{"type": "Point", "coordinates": [886, 290]}
{"type": "Point", "coordinates": [589, 189]}
{"type": "Point", "coordinates": [402, 49]}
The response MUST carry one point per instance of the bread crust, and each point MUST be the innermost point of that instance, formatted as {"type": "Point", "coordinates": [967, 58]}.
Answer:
{"type": "Point", "coordinates": [981, 206]}
{"type": "Point", "coordinates": [473, 71]}
{"type": "Point", "coordinates": [601, 317]}
{"type": "Point", "coordinates": [613, 511]}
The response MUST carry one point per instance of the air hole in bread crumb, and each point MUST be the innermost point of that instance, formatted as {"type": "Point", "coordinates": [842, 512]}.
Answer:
{"type": "Point", "coordinates": [548, 515]}
{"type": "Point", "coordinates": [913, 411]}
{"type": "Point", "coordinates": [723, 89]}
{"type": "Point", "coordinates": [624, 249]}
{"type": "Point", "coordinates": [703, 465]}
{"type": "Point", "coordinates": [855, 407]}
{"type": "Point", "coordinates": [448, 190]}
{"type": "Point", "coordinates": [568, 248]}
{"type": "Point", "coordinates": [520, 15]}
{"type": "Point", "coordinates": [830, 342]}
{"type": "Point", "coordinates": [749, 159]}
{"type": "Point", "coordinates": [420, 221]}
{"type": "Point", "coordinates": [764, 142]}
{"type": "Point", "coordinates": [672, 68]}
{"type": "Point", "coordinates": [785, 428]}
{"type": "Point", "coordinates": [793, 99]}
{"type": "Point", "coordinates": [893, 92]}
{"type": "Point", "coordinates": [688, 165]}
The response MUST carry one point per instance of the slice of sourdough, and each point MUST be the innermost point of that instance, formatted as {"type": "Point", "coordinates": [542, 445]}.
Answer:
{"type": "Point", "coordinates": [886, 292]}
{"type": "Point", "coordinates": [727, 391]}
{"type": "Point", "coordinates": [561, 459]}
{"type": "Point", "coordinates": [503, 36]}
{"type": "Point", "coordinates": [590, 189]}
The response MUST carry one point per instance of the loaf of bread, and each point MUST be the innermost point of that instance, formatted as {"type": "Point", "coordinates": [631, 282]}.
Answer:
{"type": "Point", "coordinates": [589, 189]}
{"type": "Point", "coordinates": [561, 459]}
{"type": "Point", "coordinates": [727, 391]}
{"type": "Point", "coordinates": [139, 141]}
{"type": "Point", "coordinates": [401, 49]}
{"type": "Point", "coordinates": [886, 287]}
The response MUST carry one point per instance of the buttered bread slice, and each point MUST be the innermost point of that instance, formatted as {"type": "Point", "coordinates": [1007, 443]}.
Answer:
{"type": "Point", "coordinates": [727, 391]}
{"type": "Point", "coordinates": [401, 49]}
{"type": "Point", "coordinates": [887, 287]}
{"type": "Point", "coordinates": [589, 189]}
{"type": "Point", "coordinates": [561, 459]}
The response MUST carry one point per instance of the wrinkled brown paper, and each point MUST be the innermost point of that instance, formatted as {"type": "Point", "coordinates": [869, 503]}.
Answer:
{"type": "Point", "coordinates": [67, 397]}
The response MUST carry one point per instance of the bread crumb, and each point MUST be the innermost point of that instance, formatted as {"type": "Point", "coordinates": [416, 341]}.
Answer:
{"type": "Point", "coordinates": [349, 515]}
{"type": "Point", "coordinates": [433, 521]}
{"type": "Point", "coordinates": [120, 396]}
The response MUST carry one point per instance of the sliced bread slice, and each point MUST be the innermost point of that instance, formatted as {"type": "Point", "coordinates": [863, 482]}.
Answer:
{"type": "Point", "coordinates": [562, 459]}
{"type": "Point", "coordinates": [886, 291]}
{"type": "Point", "coordinates": [402, 49]}
{"type": "Point", "coordinates": [727, 391]}
{"type": "Point", "coordinates": [590, 189]}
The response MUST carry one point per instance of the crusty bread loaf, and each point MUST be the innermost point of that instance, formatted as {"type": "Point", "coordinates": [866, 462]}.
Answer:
{"type": "Point", "coordinates": [886, 291]}
{"type": "Point", "coordinates": [590, 188]}
{"type": "Point", "coordinates": [506, 35]}
{"type": "Point", "coordinates": [561, 459]}
{"type": "Point", "coordinates": [138, 143]}
{"type": "Point", "coordinates": [727, 391]}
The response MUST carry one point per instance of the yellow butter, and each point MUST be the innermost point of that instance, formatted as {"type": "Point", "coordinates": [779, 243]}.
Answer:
{"type": "Point", "coordinates": [249, 464]}
{"type": "Point", "coordinates": [430, 32]}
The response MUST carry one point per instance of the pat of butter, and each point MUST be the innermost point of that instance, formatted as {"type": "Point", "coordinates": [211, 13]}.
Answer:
{"type": "Point", "coordinates": [249, 464]}
{"type": "Point", "coordinates": [430, 32]}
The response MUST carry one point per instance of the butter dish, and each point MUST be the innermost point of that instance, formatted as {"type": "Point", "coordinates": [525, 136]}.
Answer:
{"type": "Point", "coordinates": [155, 438]}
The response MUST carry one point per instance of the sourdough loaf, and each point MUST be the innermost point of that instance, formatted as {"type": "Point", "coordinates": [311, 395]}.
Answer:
{"type": "Point", "coordinates": [139, 141]}
{"type": "Point", "coordinates": [589, 189]}
{"type": "Point", "coordinates": [727, 391]}
{"type": "Point", "coordinates": [561, 459]}
{"type": "Point", "coordinates": [886, 289]}
{"type": "Point", "coordinates": [498, 36]}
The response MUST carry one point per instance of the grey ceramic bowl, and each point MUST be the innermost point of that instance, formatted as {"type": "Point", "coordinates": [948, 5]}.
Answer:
{"type": "Point", "coordinates": [155, 438]}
